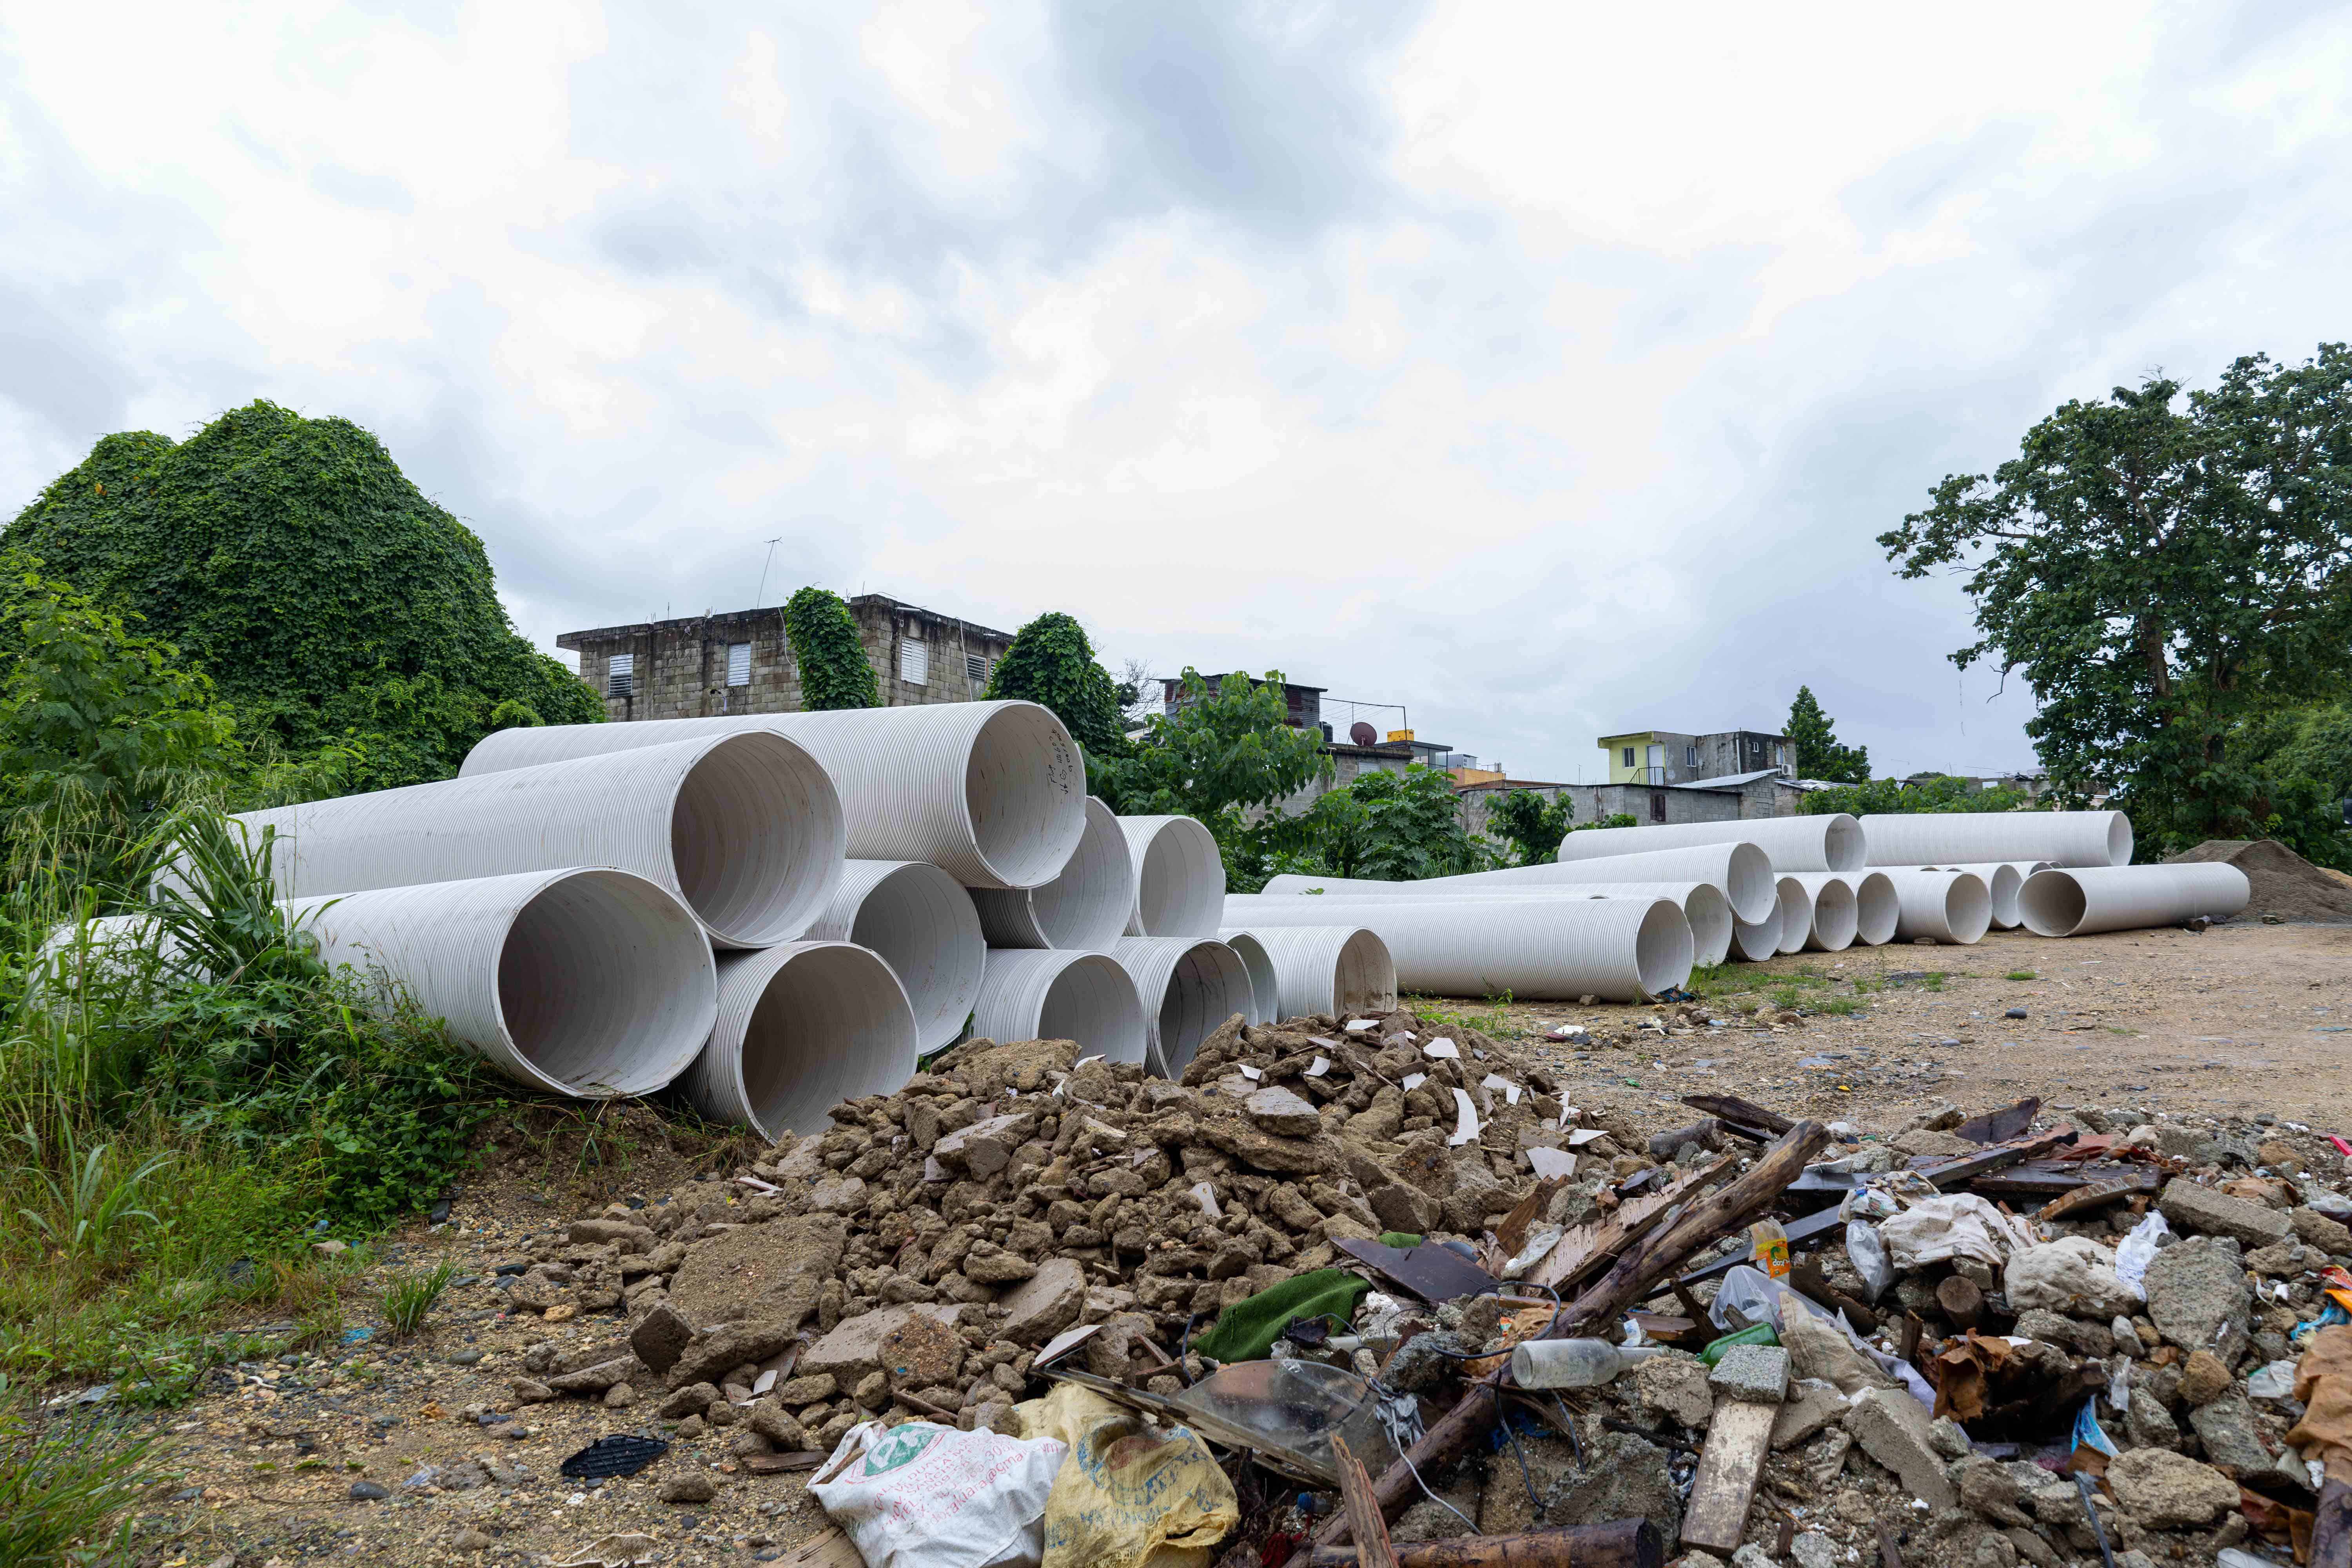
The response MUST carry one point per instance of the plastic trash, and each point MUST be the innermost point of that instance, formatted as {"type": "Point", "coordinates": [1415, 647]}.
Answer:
{"type": "Point", "coordinates": [2089, 1434]}
{"type": "Point", "coordinates": [618, 1455]}
{"type": "Point", "coordinates": [1868, 1255]}
{"type": "Point", "coordinates": [1754, 1335]}
{"type": "Point", "coordinates": [1574, 1363]}
{"type": "Point", "coordinates": [1746, 1297]}
{"type": "Point", "coordinates": [920, 1495]}
{"type": "Point", "coordinates": [2137, 1251]}
{"type": "Point", "coordinates": [2232, 1557]}
{"type": "Point", "coordinates": [2272, 1380]}
{"type": "Point", "coordinates": [1130, 1492]}
{"type": "Point", "coordinates": [1768, 1248]}
{"type": "Point", "coordinates": [2330, 1318]}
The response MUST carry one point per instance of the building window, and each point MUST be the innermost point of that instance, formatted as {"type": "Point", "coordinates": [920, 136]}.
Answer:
{"type": "Point", "coordinates": [975, 668]}
{"type": "Point", "coordinates": [1780, 755]}
{"type": "Point", "coordinates": [914, 662]}
{"type": "Point", "coordinates": [1690, 757]}
{"type": "Point", "coordinates": [1657, 805]}
{"type": "Point", "coordinates": [739, 664]}
{"type": "Point", "coordinates": [620, 675]}
{"type": "Point", "coordinates": [1629, 756]}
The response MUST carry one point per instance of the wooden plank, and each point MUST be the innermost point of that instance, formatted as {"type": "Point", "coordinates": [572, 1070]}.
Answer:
{"type": "Point", "coordinates": [2000, 1126]}
{"type": "Point", "coordinates": [1737, 1439]}
{"type": "Point", "coordinates": [1369, 1531]}
{"type": "Point", "coordinates": [1584, 1250]}
{"type": "Point", "coordinates": [1747, 1112]}
{"type": "Point", "coordinates": [1620, 1543]}
{"type": "Point", "coordinates": [1947, 1174]}
{"type": "Point", "coordinates": [832, 1548]}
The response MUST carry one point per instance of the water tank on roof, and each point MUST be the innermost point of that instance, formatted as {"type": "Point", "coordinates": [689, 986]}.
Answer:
{"type": "Point", "coordinates": [1363, 735]}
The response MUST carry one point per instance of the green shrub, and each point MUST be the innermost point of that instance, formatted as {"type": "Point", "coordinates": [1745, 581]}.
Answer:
{"type": "Point", "coordinates": [832, 661]}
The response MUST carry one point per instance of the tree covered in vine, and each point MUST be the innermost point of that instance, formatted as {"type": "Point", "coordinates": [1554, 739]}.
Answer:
{"type": "Point", "coordinates": [833, 669]}
{"type": "Point", "coordinates": [1051, 663]}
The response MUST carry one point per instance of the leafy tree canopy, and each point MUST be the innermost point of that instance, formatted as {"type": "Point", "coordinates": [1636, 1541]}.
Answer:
{"type": "Point", "coordinates": [835, 672]}
{"type": "Point", "coordinates": [1224, 751]}
{"type": "Point", "coordinates": [1819, 755]}
{"type": "Point", "coordinates": [325, 597]}
{"type": "Point", "coordinates": [2165, 570]}
{"type": "Point", "coordinates": [1531, 825]}
{"type": "Point", "coordinates": [1052, 663]}
{"type": "Point", "coordinates": [1392, 827]}
{"type": "Point", "coordinates": [1938, 792]}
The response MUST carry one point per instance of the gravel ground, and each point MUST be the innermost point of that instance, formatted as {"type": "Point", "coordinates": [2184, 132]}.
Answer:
{"type": "Point", "coordinates": [2242, 1019]}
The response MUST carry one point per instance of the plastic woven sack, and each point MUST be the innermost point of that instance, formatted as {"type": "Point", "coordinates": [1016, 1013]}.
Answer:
{"type": "Point", "coordinates": [920, 1495]}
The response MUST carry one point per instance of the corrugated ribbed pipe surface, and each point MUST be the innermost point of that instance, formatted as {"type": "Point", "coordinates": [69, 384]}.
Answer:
{"type": "Point", "coordinates": [1755, 940]}
{"type": "Point", "coordinates": [746, 829]}
{"type": "Point", "coordinates": [2079, 901]}
{"type": "Point", "coordinates": [1966, 838]}
{"type": "Point", "coordinates": [1189, 986]}
{"type": "Point", "coordinates": [993, 792]}
{"type": "Point", "coordinates": [1179, 878]}
{"type": "Point", "coordinates": [2003, 881]}
{"type": "Point", "coordinates": [588, 982]}
{"type": "Point", "coordinates": [1266, 983]}
{"type": "Point", "coordinates": [1702, 904]}
{"type": "Point", "coordinates": [801, 1027]}
{"type": "Point", "coordinates": [1830, 842]}
{"type": "Point", "coordinates": [1340, 970]}
{"type": "Point", "coordinates": [1837, 908]}
{"type": "Point", "coordinates": [1033, 993]}
{"type": "Point", "coordinates": [1954, 907]}
{"type": "Point", "coordinates": [1542, 948]}
{"type": "Point", "coordinates": [1796, 914]}
{"type": "Point", "coordinates": [1741, 873]}
{"type": "Point", "coordinates": [1086, 908]}
{"type": "Point", "coordinates": [921, 921]}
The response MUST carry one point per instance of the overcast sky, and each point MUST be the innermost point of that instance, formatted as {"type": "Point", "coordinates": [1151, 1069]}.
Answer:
{"type": "Point", "coordinates": [1547, 369]}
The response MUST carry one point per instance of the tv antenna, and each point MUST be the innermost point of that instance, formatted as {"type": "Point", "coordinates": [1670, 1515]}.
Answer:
{"type": "Point", "coordinates": [760, 597]}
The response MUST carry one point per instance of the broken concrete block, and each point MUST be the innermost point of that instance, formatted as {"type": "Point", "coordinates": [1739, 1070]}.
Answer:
{"type": "Point", "coordinates": [1892, 1428]}
{"type": "Point", "coordinates": [1755, 1375]}
{"type": "Point", "coordinates": [2071, 1275]}
{"type": "Point", "coordinates": [2199, 1297]}
{"type": "Point", "coordinates": [661, 1336]}
{"type": "Point", "coordinates": [1047, 1304]}
{"type": "Point", "coordinates": [2164, 1491]}
{"type": "Point", "coordinates": [854, 1348]}
{"type": "Point", "coordinates": [1282, 1113]}
{"type": "Point", "coordinates": [2191, 1207]}
{"type": "Point", "coordinates": [1674, 1384]}
{"type": "Point", "coordinates": [1812, 1406]}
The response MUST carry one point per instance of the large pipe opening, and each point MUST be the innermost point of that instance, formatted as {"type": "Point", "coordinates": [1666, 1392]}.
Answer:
{"type": "Point", "coordinates": [1796, 915]}
{"type": "Point", "coordinates": [1710, 914]}
{"type": "Point", "coordinates": [1835, 916]}
{"type": "Point", "coordinates": [2051, 903]}
{"type": "Point", "coordinates": [1179, 878]}
{"type": "Point", "coordinates": [1363, 976]}
{"type": "Point", "coordinates": [1084, 909]}
{"type": "Point", "coordinates": [1189, 987]}
{"type": "Point", "coordinates": [922, 924]}
{"type": "Point", "coordinates": [2005, 884]}
{"type": "Point", "coordinates": [1756, 940]}
{"type": "Point", "coordinates": [1662, 948]}
{"type": "Point", "coordinates": [1845, 845]}
{"type": "Point", "coordinates": [803, 1028]}
{"type": "Point", "coordinates": [1335, 969]}
{"type": "Point", "coordinates": [1017, 795]}
{"type": "Point", "coordinates": [604, 983]}
{"type": "Point", "coordinates": [756, 838]}
{"type": "Point", "coordinates": [1042, 994]}
{"type": "Point", "coordinates": [1877, 911]}
{"type": "Point", "coordinates": [1266, 985]}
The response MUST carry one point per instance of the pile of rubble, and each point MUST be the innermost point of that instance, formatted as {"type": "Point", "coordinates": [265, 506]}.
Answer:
{"type": "Point", "coordinates": [2010, 1337]}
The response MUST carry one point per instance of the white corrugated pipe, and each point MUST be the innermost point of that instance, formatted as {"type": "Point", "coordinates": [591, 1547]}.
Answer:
{"type": "Point", "coordinates": [1831, 842]}
{"type": "Point", "coordinates": [1837, 908]}
{"type": "Point", "coordinates": [745, 828]}
{"type": "Point", "coordinates": [1051, 994]}
{"type": "Point", "coordinates": [1741, 873]}
{"type": "Point", "coordinates": [1702, 904]}
{"type": "Point", "coordinates": [1189, 987]}
{"type": "Point", "coordinates": [581, 982]}
{"type": "Point", "coordinates": [1266, 980]}
{"type": "Point", "coordinates": [1965, 838]}
{"type": "Point", "coordinates": [1756, 940]}
{"type": "Point", "coordinates": [1179, 878]}
{"type": "Point", "coordinates": [1796, 915]}
{"type": "Point", "coordinates": [2003, 880]}
{"type": "Point", "coordinates": [801, 1028]}
{"type": "Point", "coordinates": [1877, 908]}
{"type": "Point", "coordinates": [2079, 901]}
{"type": "Point", "coordinates": [920, 920]}
{"type": "Point", "coordinates": [991, 792]}
{"type": "Point", "coordinates": [1086, 908]}
{"type": "Point", "coordinates": [1340, 970]}
{"type": "Point", "coordinates": [1953, 906]}
{"type": "Point", "coordinates": [1540, 948]}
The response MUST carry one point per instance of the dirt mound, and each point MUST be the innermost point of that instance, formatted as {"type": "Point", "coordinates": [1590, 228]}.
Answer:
{"type": "Point", "coordinates": [2284, 883]}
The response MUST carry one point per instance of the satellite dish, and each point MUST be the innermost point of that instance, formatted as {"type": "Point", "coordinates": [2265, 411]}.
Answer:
{"type": "Point", "coordinates": [1363, 735]}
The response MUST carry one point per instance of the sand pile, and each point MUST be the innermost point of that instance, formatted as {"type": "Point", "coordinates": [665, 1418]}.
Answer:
{"type": "Point", "coordinates": [2285, 884]}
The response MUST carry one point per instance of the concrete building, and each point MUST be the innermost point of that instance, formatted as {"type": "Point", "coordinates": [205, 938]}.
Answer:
{"type": "Point", "coordinates": [1669, 757]}
{"type": "Point", "coordinates": [1725, 799]}
{"type": "Point", "coordinates": [1362, 751]}
{"type": "Point", "coordinates": [741, 662]}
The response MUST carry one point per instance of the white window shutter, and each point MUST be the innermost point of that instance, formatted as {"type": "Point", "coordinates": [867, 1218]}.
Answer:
{"type": "Point", "coordinates": [914, 662]}
{"type": "Point", "coordinates": [739, 664]}
{"type": "Point", "coordinates": [620, 675]}
{"type": "Point", "coordinates": [975, 668]}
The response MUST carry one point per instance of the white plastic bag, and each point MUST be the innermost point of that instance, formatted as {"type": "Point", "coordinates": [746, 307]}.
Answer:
{"type": "Point", "coordinates": [920, 1495]}
{"type": "Point", "coordinates": [2137, 1251]}
{"type": "Point", "coordinates": [1867, 1252]}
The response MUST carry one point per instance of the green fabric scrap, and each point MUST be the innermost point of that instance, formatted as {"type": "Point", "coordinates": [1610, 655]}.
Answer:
{"type": "Point", "coordinates": [1399, 1239]}
{"type": "Point", "coordinates": [1247, 1330]}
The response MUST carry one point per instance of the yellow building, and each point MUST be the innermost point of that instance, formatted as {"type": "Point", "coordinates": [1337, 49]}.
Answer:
{"type": "Point", "coordinates": [1667, 757]}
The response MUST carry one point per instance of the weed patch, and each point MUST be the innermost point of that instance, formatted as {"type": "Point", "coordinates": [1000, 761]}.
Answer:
{"type": "Point", "coordinates": [2020, 975]}
{"type": "Point", "coordinates": [412, 1295]}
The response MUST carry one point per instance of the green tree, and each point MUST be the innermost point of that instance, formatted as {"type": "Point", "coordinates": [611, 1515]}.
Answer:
{"type": "Point", "coordinates": [1937, 792]}
{"type": "Point", "coordinates": [2164, 571]}
{"type": "Point", "coordinates": [1052, 663]}
{"type": "Point", "coordinates": [326, 598]}
{"type": "Point", "coordinates": [1531, 825]}
{"type": "Point", "coordinates": [1225, 753]}
{"type": "Point", "coordinates": [1819, 755]}
{"type": "Point", "coordinates": [833, 669]}
{"type": "Point", "coordinates": [1390, 827]}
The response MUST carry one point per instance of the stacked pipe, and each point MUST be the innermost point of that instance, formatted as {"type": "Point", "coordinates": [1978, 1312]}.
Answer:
{"type": "Point", "coordinates": [1537, 947]}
